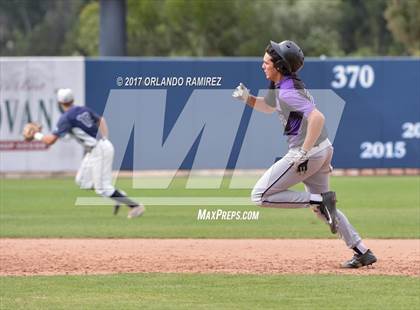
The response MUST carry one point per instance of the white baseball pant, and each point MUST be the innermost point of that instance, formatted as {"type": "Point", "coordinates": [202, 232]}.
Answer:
{"type": "Point", "coordinates": [272, 189]}
{"type": "Point", "coordinates": [96, 169]}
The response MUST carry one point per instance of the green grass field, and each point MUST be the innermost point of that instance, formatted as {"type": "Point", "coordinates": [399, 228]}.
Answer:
{"type": "Point", "coordinates": [380, 207]}
{"type": "Point", "coordinates": [184, 291]}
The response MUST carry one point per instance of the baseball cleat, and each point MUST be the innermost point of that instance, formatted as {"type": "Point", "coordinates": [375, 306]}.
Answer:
{"type": "Point", "coordinates": [116, 209]}
{"type": "Point", "coordinates": [327, 208]}
{"type": "Point", "coordinates": [358, 260]}
{"type": "Point", "coordinates": [136, 211]}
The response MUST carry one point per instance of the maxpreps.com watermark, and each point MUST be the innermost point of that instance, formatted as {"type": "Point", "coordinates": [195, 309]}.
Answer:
{"type": "Point", "coordinates": [219, 214]}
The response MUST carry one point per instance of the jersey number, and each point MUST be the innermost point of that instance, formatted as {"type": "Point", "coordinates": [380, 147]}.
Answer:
{"type": "Point", "coordinates": [85, 119]}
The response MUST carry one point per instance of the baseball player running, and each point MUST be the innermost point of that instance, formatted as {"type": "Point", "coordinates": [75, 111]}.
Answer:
{"type": "Point", "coordinates": [310, 152]}
{"type": "Point", "coordinates": [91, 131]}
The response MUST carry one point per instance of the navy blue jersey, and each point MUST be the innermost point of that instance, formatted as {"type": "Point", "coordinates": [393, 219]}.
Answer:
{"type": "Point", "coordinates": [80, 122]}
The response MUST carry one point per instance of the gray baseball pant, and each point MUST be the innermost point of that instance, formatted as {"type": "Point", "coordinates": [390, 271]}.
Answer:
{"type": "Point", "coordinates": [272, 189]}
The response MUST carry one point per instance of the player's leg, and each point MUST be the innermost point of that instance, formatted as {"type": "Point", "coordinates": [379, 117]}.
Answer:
{"type": "Point", "coordinates": [272, 189]}
{"type": "Point", "coordinates": [103, 155]}
{"type": "Point", "coordinates": [84, 174]}
{"type": "Point", "coordinates": [319, 183]}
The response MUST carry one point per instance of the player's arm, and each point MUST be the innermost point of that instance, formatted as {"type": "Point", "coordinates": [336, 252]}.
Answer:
{"type": "Point", "coordinates": [316, 122]}
{"type": "Point", "coordinates": [48, 139]}
{"type": "Point", "coordinates": [103, 128]}
{"type": "Point", "coordinates": [63, 127]}
{"type": "Point", "coordinates": [32, 131]}
{"type": "Point", "coordinates": [257, 103]}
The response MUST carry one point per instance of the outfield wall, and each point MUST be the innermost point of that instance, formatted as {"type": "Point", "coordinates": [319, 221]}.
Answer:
{"type": "Point", "coordinates": [27, 93]}
{"type": "Point", "coordinates": [379, 126]}
{"type": "Point", "coordinates": [180, 113]}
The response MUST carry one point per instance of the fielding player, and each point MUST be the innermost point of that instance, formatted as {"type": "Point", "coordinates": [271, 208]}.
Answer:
{"type": "Point", "coordinates": [310, 152]}
{"type": "Point", "coordinates": [90, 130]}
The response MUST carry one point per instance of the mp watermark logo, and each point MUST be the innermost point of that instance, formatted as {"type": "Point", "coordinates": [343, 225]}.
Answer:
{"type": "Point", "coordinates": [204, 135]}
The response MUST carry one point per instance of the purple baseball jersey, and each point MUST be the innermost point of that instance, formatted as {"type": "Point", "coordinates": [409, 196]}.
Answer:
{"type": "Point", "coordinates": [294, 104]}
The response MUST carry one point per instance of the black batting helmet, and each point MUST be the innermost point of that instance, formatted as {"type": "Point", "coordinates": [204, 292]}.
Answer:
{"type": "Point", "coordinates": [290, 56]}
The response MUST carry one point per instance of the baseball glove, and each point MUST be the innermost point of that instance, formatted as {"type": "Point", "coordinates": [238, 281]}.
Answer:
{"type": "Point", "coordinates": [29, 130]}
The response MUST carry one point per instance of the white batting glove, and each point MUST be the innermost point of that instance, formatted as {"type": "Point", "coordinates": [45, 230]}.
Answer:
{"type": "Point", "coordinates": [241, 93]}
{"type": "Point", "coordinates": [300, 160]}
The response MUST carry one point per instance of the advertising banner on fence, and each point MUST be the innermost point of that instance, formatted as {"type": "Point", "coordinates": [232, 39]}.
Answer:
{"type": "Point", "coordinates": [28, 94]}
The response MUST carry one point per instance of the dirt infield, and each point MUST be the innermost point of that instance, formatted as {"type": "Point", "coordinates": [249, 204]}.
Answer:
{"type": "Point", "coordinates": [253, 256]}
